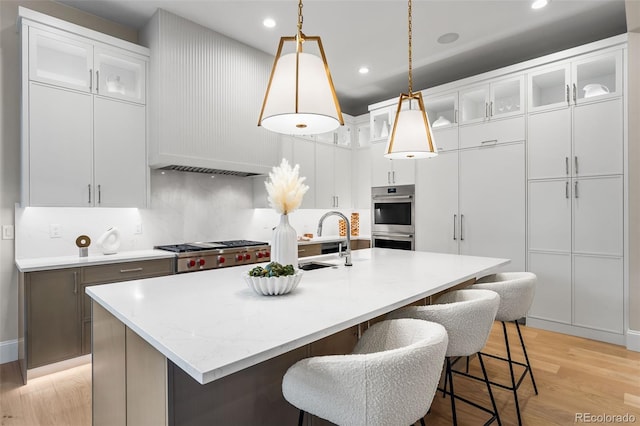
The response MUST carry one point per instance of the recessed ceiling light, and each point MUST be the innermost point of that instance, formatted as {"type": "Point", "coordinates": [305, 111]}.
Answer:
{"type": "Point", "coordinates": [539, 4]}
{"type": "Point", "coordinates": [363, 70]}
{"type": "Point", "coordinates": [269, 23]}
{"type": "Point", "coordinates": [448, 38]}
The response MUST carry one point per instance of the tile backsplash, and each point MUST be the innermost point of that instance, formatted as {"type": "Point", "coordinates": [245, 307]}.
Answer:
{"type": "Point", "coordinates": [184, 207]}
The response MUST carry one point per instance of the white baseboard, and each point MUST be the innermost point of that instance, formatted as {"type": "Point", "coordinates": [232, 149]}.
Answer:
{"type": "Point", "coordinates": [633, 340]}
{"type": "Point", "coordinates": [573, 330]}
{"type": "Point", "coordinates": [8, 351]}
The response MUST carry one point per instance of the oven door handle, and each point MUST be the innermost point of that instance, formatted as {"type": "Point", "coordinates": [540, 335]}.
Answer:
{"type": "Point", "coordinates": [392, 197]}
{"type": "Point", "coordinates": [392, 236]}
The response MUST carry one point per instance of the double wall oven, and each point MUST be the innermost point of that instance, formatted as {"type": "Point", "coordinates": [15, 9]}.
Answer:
{"type": "Point", "coordinates": [393, 217]}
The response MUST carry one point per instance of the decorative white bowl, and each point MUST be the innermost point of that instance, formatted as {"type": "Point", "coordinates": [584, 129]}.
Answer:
{"type": "Point", "coordinates": [273, 286]}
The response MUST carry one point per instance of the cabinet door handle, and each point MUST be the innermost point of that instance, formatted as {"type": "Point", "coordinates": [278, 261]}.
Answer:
{"type": "Point", "coordinates": [124, 271]}
{"type": "Point", "coordinates": [491, 109]}
{"type": "Point", "coordinates": [566, 165]}
{"type": "Point", "coordinates": [97, 81]}
{"type": "Point", "coordinates": [461, 229]}
{"type": "Point", "coordinates": [388, 177]}
{"type": "Point", "coordinates": [575, 160]}
{"type": "Point", "coordinates": [455, 216]}
{"type": "Point", "coordinates": [75, 282]}
{"type": "Point", "coordinates": [90, 79]}
{"type": "Point", "coordinates": [575, 189]}
{"type": "Point", "coordinates": [393, 177]}
{"type": "Point", "coordinates": [89, 193]}
{"type": "Point", "coordinates": [574, 93]}
{"type": "Point", "coordinates": [566, 190]}
{"type": "Point", "coordinates": [99, 194]}
{"type": "Point", "coordinates": [486, 109]}
{"type": "Point", "coordinates": [455, 116]}
{"type": "Point", "coordinates": [337, 201]}
{"type": "Point", "coordinates": [568, 100]}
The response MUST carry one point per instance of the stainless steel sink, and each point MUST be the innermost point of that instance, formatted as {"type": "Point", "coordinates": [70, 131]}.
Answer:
{"type": "Point", "coordinates": [310, 266]}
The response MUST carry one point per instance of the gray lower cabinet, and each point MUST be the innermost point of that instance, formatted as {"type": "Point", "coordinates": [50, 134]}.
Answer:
{"type": "Point", "coordinates": [57, 312]}
{"type": "Point", "coordinates": [53, 316]}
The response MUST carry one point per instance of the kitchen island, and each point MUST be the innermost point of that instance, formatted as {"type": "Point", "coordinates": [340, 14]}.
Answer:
{"type": "Point", "coordinates": [202, 348]}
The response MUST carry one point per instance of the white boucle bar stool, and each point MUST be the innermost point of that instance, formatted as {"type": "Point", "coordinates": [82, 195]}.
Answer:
{"type": "Point", "coordinates": [467, 315]}
{"type": "Point", "coordinates": [389, 379]}
{"type": "Point", "coordinates": [516, 290]}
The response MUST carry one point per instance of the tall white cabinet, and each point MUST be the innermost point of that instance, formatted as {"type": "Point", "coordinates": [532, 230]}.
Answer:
{"type": "Point", "coordinates": [532, 167]}
{"type": "Point", "coordinates": [84, 116]}
{"type": "Point", "coordinates": [576, 196]}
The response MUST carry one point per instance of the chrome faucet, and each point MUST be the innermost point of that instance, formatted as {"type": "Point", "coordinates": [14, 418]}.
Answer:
{"type": "Point", "coordinates": [347, 252]}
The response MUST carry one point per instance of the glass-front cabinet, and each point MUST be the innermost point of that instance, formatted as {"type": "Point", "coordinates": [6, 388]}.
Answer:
{"type": "Point", "coordinates": [74, 63]}
{"type": "Point", "coordinates": [380, 123]}
{"type": "Point", "coordinates": [59, 60]}
{"type": "Point", "coordinates": [502, 98]}
{"type": "Point", "coordinates": [593, 77]}
{"type": "Point", "coordinates": [442, 112]}
{"type": "Point", "coordinates": [119, 76]}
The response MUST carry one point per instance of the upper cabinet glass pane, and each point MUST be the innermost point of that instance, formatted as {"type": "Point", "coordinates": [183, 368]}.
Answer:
{"type": "Point", "coordinates": [119, 76]}
{"type": "Point", "coordinates": [598, 76]}
{"type": "Point", "coordinates": [507, 97]}
{"type": "Point", "coordinates": [548, 87]}
{"type": "Point", "coordinates": [59, 60]}
{"type": "Point", "coordinates": [475, 104]}
{"type": "Point", "coordinates": [442, 111]}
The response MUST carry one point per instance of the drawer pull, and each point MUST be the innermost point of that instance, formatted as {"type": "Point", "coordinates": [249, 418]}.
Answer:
{"type": "Point", "coordinates": [492, 141]}
{"type": "Point", "coordinates": [124, 271]}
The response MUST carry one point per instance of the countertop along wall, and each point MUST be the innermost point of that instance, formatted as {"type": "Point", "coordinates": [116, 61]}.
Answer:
{"type": "Point", "coordinates": [10, 144]}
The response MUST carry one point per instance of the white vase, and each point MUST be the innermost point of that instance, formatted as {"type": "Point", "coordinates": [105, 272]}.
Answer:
{"type": "Point", "coordinates": [284, 243]}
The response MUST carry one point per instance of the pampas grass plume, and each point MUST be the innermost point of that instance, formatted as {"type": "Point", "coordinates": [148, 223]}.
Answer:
{"type": "Point", "coordinates": [285, 188]}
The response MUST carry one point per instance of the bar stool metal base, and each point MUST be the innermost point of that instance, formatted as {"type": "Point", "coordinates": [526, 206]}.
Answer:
{"type": "Point", "coordinates": [449, 380]}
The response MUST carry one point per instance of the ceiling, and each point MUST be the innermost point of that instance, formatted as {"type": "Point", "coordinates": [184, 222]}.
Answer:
{"type": "Point", "coordinates": [493, 34]}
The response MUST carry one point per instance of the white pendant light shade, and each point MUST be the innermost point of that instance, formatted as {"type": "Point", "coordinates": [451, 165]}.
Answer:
{"type": "Point", "coordinates": [411, 137]}
{"type": "Point", "coordinates": [300, 99]}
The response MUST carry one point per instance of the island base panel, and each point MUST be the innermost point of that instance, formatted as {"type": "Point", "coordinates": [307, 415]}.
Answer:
{"type": "Point", "coordinates": [249, 397]}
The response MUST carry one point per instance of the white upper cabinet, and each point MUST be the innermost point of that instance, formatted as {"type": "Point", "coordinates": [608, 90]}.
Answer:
{"type": "Point", "coordinates": [72, 62]}
{"type": "Point", "coordinates": [385, 172]}
{"type": "Point", "coordinates": [591, 78]}
{"type": "Point", "coordinates": [83, 117]}
{"type": "Point", "coordinates": [119, 75]}
{"type": "Point", "coordinates": [442, 112]}
{"type": "Point", "coordinates": [60, 60]}
{"type": "Point", "coordinates": [381, 123]}
{"type": "Point", "coordinates": [500, 98]}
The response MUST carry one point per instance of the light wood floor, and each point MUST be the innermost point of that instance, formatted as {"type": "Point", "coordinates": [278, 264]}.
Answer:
{"type": "Point", "coordinates": [573, 375]}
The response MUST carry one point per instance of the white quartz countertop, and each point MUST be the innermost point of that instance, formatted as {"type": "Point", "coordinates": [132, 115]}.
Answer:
{"type": "Point", "coordinates": [60, 262]}
{"type": "Point", "coordinates": [211, 324]}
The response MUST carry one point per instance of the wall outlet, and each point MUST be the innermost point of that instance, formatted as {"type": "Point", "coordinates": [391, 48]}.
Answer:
{"type": "Point", "coordinates": [55, 230]}
{"type": "Point", "coordinates": [7, 232]}
{"type": "Point", "coordinates": [138, 228]}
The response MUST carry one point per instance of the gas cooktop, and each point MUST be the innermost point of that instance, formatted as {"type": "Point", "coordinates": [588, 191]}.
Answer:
{"type": "Point", "coordinates": [200, 256]}
{"type": "Point", "coordinates": [213, 245]}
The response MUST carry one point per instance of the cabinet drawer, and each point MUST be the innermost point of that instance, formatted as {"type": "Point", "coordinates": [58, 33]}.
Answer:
{"type": "Point", "coordinates": [492, 132]}
{"type": "Point", "coordinates": [127, 271]}
{"type": "Point", "coordinates": [309, 250]}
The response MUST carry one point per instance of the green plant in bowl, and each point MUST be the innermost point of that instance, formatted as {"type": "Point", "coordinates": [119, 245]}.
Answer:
{"type": "Point", "coordinates": [273, 269]}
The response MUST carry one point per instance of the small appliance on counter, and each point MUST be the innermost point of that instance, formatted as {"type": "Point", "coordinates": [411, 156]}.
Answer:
{"type": "Point", "coordinates": [109, 242]}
